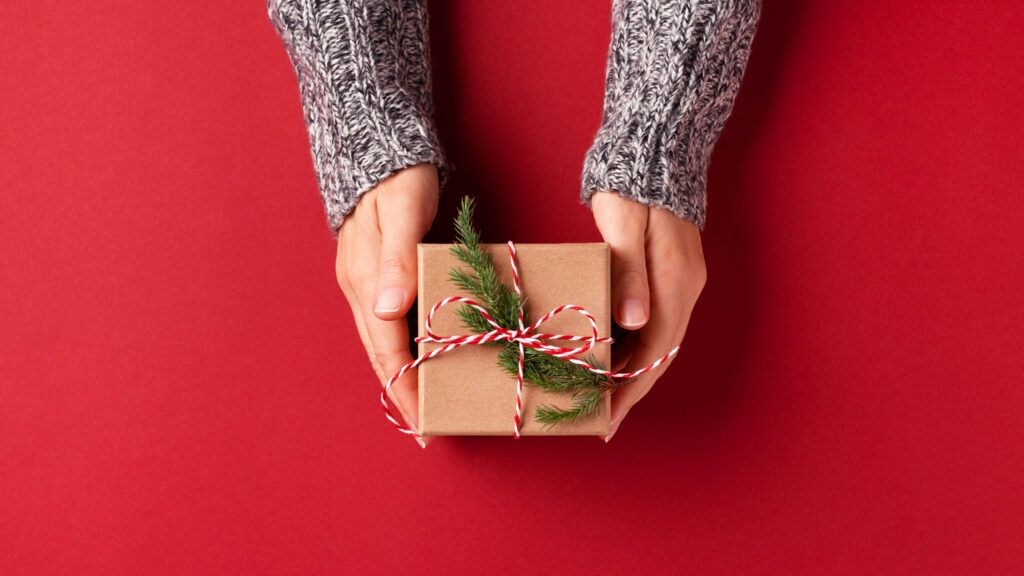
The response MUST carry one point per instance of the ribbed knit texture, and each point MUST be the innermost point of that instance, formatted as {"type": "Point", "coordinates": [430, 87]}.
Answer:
{"type": "Point", "coordinates": [674, 67]}
{"type": "Point", "coordinates": [673, 72]}
{"type": "Point", "coordinates": [364, 78]}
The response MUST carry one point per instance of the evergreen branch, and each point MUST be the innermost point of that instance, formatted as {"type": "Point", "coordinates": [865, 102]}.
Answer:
{"type": "Point", "coordinates": [553, 374]}
{"type": "Point", "coordinates": [482, 280]}
{"type": "Point", "coordinates": [584, 404]}
{"type": "Point", "coordinates": [541, 370]}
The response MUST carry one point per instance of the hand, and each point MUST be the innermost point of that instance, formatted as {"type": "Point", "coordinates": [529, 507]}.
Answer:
{"type": "Point", "coordinates": [376, 267]}
{"type": "Point", "coordinates": [657, 274]}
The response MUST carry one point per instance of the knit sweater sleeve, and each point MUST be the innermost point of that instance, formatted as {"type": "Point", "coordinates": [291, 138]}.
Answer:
{"type": "Point", "coordinates": [674, 67]}
{"type": "Point", "coordinates": [364, 80]}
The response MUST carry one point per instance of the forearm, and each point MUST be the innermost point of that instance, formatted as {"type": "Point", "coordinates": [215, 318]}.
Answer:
{"type": "Point", "coordinates": [674, 68]}
{"type": "Point", "coordinates": [364, 79]}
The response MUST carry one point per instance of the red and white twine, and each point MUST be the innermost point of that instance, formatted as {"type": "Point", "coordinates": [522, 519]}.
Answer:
{"type": "Point", "coordinates": [525, 337]}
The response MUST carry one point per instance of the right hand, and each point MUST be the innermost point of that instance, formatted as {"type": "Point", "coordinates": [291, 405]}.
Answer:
{"type": "Point", "coordinates": [658, 272]}
{"type": "Point", "coordinates": [376, 268]}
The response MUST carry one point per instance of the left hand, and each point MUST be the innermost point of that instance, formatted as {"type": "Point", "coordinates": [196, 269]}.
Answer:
{"type": "Point", "coordinates": [376, 268]}
{"type": "Point", "coordinates": [658, 272]}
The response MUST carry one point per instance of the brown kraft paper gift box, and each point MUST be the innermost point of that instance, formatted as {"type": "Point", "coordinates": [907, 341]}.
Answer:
{"type": "Point", "coordinates": [465, 392]}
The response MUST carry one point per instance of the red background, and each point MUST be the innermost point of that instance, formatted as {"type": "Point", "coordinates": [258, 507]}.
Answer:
{"type": "Point", "coordinates": [182, 389]}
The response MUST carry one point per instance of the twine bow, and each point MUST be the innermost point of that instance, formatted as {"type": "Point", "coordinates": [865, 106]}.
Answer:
{"type": "Point", "coordinates": [524, 336]}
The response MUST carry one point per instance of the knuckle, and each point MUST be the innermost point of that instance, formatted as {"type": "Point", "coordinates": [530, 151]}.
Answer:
{"type": "Point", "coordinates": [394, 265]}
{"type": "Point", "coordinates": [631, 273]}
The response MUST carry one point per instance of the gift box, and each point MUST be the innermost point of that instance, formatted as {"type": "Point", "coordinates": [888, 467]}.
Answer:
{"type": "Point", "coordinates": [466, 392]}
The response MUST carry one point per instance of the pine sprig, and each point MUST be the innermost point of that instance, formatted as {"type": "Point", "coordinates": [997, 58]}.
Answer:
{"type": "Point", "coordinates": [482, 279]}
{"type": "Point", "coordinates": [539, 369]}
{"type": "Point", "coordinates": [584, 404]}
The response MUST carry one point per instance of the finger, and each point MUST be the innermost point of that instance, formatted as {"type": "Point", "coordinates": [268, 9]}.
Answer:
{"type": "Point", "coordinates": [653, 344]}
{"type": "Point", "coordinates": [676, 277]}
{"type": "Point", "coordinates": [404, 215]}
{"type": "Point", "coordinates": [404, 394]}
{"type": "Point", "coordinates": [632, 392]}
{"type": "Point", "coordinates": [623, 225]}
{"type": "Point", "coordinates": [388, 339]}
{"type": "Point", "coordinates": [347, 246]}
{"type": "Point", "coordinates": [357, 258]}
{"type": "Point", "coordinates": [390, 343]}
{"type": "Point", "coordinates": [663, 333]}
{"type": "Point", "coordinates": [352, 272]}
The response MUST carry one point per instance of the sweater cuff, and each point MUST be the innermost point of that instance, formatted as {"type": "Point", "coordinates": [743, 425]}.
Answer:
{"type": "Point", "coordinates": [364, 80]}
{"type": "Point", "coordinates": [344, 178]}
{"type": "Point", "coordinates": [673, 72]}
{"type": "Point", "coordinates": [638, 160]}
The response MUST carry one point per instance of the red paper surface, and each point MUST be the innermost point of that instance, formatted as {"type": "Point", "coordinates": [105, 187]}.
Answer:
{"type": "Point", "coordinates": [181, 387]}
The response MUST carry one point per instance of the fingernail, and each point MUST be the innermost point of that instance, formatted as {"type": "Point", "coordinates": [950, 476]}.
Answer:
{"type": "Point", "coordinates": [389, 300]}
{"type": "Point", "coordinates": [632, 313]}
{"type": "Point", "coordinates": [421, 442]}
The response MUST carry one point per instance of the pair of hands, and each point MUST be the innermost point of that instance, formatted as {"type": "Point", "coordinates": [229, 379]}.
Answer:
{"type": "Point", "coordinates": [658, 272]}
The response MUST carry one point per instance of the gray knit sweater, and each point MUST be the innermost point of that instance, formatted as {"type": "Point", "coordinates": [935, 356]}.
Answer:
{"type": "Point", "coordinates": [363, 67]}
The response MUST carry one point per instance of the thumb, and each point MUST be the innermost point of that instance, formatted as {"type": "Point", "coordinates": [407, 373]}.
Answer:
{"type": "Point", "coordinates": [404, 218]}
{"type": "Point", "coordinates": [623, 225]}
{"type": "Point", "coordinates": [396, 279]}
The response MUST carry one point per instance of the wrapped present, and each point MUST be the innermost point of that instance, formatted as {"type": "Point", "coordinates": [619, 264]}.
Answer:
{"type": "Point", "coordinates": [516, 340]}
{"type": "Point", "coordinates": [469, 391]}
